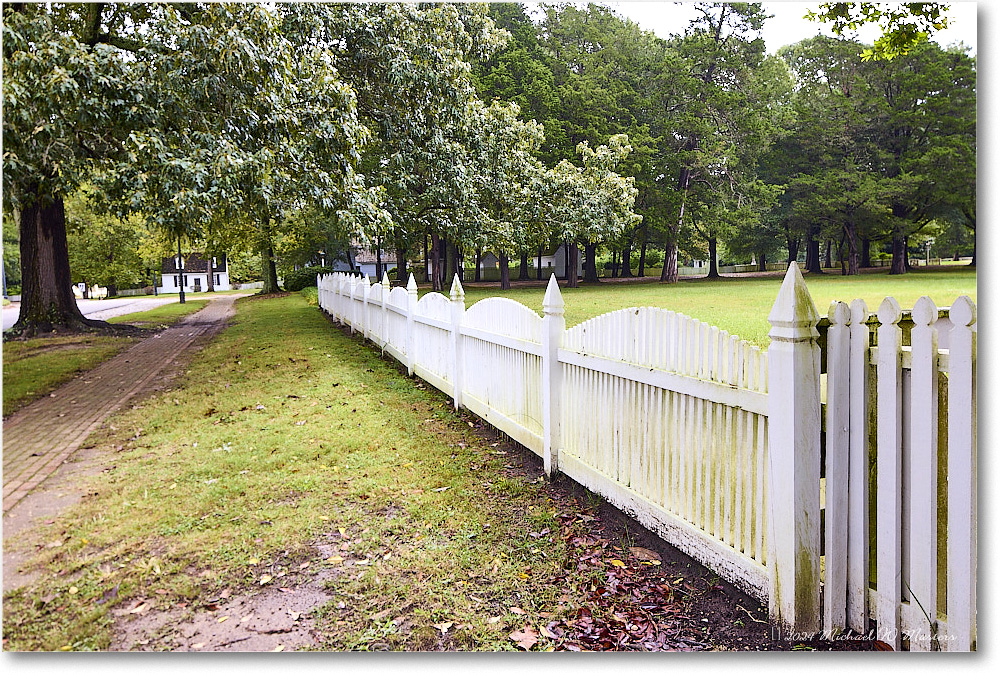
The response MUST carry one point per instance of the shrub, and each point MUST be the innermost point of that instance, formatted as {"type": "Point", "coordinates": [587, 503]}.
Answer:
{"type": "Point", "coordinates": [299, 279]}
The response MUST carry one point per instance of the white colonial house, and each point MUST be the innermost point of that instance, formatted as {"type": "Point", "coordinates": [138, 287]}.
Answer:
{"type": "Point", "coordinates": [195, 273]}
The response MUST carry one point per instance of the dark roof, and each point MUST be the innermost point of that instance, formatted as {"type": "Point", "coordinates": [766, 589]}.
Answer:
{"type": "Point", "coordinates": [193, 264]}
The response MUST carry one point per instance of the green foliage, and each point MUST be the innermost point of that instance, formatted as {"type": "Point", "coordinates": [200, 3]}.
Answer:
{"type": "Point", "coordinates": [11, 252]}
{"type": "Point", "coordinates": [296, 280]}
{"type": "Point", "coordinates": [904, 25]}
{"type": "Point", "coordinates": [106, 250]}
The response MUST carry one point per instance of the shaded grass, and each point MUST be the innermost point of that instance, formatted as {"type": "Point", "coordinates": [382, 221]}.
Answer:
{"type": "Point", "coordinates": [271, 449]}
{"type": "Point", "coordinates": [741, 304]}
{"type": "Point", "coordinates": [34, 368]}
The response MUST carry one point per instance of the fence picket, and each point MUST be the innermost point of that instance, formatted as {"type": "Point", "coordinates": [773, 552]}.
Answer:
{"type": "Point", "coordinates": [962, 477]}
{"type": "Point", "coordinates": [923, 473]}
{"type": "Point", "coordinates": [889, 468]}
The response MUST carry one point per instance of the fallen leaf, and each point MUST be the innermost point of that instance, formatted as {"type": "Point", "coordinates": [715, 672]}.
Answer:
{"type": "Point", "coordinates": [73, 590]}
{"type": "Point", "coordinates": [493, 619]}
{"type": "Point", "coordinates": [645, 554]}
{"type": "Point", "coordinates": [137, 610]}
{"type": "Point", "coordinates": [253, 561]}
{"type": "Point", "coordinates": [441, 489]}
{"type": "Point", "coordinates": [335, 559]}
{"type": "Point", "coordinates": [526, 638]}
{"type": "Point", "coordinates": [222, 618]}
{"type": "Point", "coordinates": [517, 610]}
{"type": "Point", "coordinates": [278, 648]}
{"type": "Point", "coordinates": [264, 579]}
{"type": "Point", "coordinates": [547, 632]}
{"type": "Point", "coordinates": [443, 627]}
{"type": "Point", "coordinates": [616, 563]}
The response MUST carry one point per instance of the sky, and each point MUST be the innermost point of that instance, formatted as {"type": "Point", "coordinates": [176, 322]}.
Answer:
{"type": "Point", "coordinates": [788, 25]}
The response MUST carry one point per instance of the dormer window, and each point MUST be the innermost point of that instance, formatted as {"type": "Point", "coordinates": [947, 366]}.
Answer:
{"type": "Point", "coordinates": [214, 264]}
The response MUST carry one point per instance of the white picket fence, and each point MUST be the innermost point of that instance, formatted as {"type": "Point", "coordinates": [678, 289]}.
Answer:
{"type": "Point", "coordinates": [716, 445]}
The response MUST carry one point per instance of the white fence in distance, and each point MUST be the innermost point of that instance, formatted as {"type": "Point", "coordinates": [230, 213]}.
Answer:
{"type": "Point", "coordinates": [716, 445]}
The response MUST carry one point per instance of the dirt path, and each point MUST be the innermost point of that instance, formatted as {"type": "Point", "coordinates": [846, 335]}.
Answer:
{"type": "Point", "coordinates": [41, 442]}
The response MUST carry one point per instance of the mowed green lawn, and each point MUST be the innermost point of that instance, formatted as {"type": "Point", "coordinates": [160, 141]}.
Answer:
{"type": "Point", "coordinates": [741, 305]}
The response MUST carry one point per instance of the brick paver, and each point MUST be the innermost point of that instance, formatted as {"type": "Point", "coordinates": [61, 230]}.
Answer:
{"type": "Point", "coordinates": [41, 436]}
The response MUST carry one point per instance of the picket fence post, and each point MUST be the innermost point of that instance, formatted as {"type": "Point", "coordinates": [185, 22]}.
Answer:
{"type": "Point", "coordinates": [553, 327]}
{"type": "Point", "coordinates": [457, 312]}
{"type": "Point", "coordinates": [794, 458]}
{"type": "Point", "coordinates": [962, 477]}
{"type": "Point", "coordinates": [411, 308]}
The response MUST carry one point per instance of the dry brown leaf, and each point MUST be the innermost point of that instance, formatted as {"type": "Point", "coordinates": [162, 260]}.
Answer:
{"type": "Point", "coordinates": [526, 638]}
{"type": "Point", "coordinates": [645, 554]}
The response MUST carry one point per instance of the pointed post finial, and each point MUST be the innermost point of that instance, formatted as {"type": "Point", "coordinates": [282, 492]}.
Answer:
{"type": "Point", "coordinates": [793, 317]}
{"type": "Point", "coordinates": [385, 280]}
{"type": "Point", "coordinates": [553, 302]}
{"type": "Point", "coordinates": [411, 285]}
{"type": "Point", "coordinates": [457, 292]}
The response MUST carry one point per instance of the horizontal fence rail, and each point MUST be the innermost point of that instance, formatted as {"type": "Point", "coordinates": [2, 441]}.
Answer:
{"type": "Point", "coordinates": [770, 467]}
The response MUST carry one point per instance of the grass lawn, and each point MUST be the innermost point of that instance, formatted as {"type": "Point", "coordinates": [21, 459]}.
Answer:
{"type": "Point", "coordinates": [741, 305]}
{"type": "Point", "coordinates": [33, 368]}
{"type": "Point", "coordinates": [273, 446]}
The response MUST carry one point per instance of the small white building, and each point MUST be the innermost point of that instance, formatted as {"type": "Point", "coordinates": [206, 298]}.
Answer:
{"type": "Point", "coordinates": [195, 273]}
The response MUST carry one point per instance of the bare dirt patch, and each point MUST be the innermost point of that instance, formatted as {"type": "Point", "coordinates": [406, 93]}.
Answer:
{"type": "Point", "coordinates": [274, 618]}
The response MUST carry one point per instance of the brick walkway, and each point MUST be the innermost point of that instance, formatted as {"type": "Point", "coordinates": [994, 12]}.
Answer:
{"type": "Point", "coordinates": [41, 436]}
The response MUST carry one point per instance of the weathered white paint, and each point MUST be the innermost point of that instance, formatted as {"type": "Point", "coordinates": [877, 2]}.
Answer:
{"type": "Point", "coordinates": [890, 472]}
{"type": "Point", "coordinates": [962, 478]}
{"type": "Point", "coordinates": [838, 438]}
{"type": "Point", "coordinates": [922, 484]}
{"type": "Point", "coordinates": [794, 453]}
{"type": "Point", "coordinates": [857, 492]}
{"type": "Point", "coordinates": [715, 445]}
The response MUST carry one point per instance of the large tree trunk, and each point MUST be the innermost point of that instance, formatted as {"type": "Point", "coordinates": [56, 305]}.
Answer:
{"type": "Point", "coordinates": [479, 262]}
{"type": "Point", "coordinates": [813, 262]}
{"type": "Point", "coordinates": [210, 285]}
{"type": "Point", "coordinates": [627, 258]}
{"type": "Point", "coordinates": [269, 269]}
{"type": "Point", "coordinates": [713, 255]}
{"type": "Point", "coordinates": [538, 268]}
{"type": "Point", "coordinates": [898, 254]}
{"type": "Point", "coordinates": [590, 263]}
{"type": "Point", "coordinates": [829, 253]}
{"type": "Point", "coordinates": [793, 249]}
{"type": "Point", "coordinates": [436, 262]}
{"type": "Point", "coordinates": [669, 274]}
{"type": "Point", "coordinates": [853, 259]}
{"type": "Point", "coordinates": [761, 261]}
{"type": "Point", "coordinates": [523, 272]}
{"type": "Point", "coordinates": [47, 301]}
{"type": "Point", "coordinates": [504, 271]}
{"type": "Point", "coordinates": [572, 256]}
{"type": "Point", "coordinates": [401, 265]}
{"type": "Point", "coordinates": [378, 261]}
{"type": "Point", "coordinates": [865, 253]}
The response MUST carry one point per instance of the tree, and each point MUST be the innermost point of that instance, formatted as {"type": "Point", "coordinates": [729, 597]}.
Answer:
{"type": "Point", "coordinates": [711, 103]}
{"type": "Point", "coordinates": [507, 175]}
{"type": "Point", "coordinates": [129, 97]}
{"type": "Point", "coordinates": [590, 203]}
